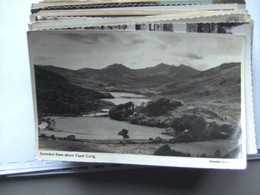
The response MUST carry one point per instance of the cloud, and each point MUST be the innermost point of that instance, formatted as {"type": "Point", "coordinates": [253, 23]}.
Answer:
{"type": "Point", "coordinates": [194, 56]}
{"type": "Point", "coordinates": [88, 38]}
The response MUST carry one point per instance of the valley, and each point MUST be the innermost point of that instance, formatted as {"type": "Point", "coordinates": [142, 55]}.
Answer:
{"type": "Point", "coordinates": [178, 103]}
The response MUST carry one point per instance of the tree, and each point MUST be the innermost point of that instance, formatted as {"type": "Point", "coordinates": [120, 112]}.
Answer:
{"type": "Point", "coordinates": [124, 134]}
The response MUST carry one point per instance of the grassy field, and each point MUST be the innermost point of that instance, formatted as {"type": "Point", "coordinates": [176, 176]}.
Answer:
{"type": "Point", "coordinates": [114, 146]}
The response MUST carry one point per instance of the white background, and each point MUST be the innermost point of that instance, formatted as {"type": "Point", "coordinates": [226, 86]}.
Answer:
{"type": "Point", "coordinates": [16, 108]}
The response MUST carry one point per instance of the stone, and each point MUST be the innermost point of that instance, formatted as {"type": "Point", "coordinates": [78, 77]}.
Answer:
{"type": "Point", "coordinates": [165, 150]}
{"type": "Point", "coordinates": [71, 137]}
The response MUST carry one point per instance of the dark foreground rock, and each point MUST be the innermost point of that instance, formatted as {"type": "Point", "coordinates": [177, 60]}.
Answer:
{"type": "Point", "coordinates": [165, 150]}
{"type": "Point", "coordinates": [195, 128]}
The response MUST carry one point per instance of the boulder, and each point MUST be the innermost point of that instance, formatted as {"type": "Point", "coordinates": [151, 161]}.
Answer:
{"type": "Point", "coordinates": [217, 131]}
{"type": "Point", "coordinates": [186, 136]}
{"type": "Point", "coordinates": [43, 136]}
{"type": "Point", "coordinates": [165, 150]}
{"type": "Point", "coordinates": [217, 154]}
{"type": "Point", "coordinates": [157, 140]}
{"type": "Point", "coordinates": [203, 155]}
{"type": "Point", "coordinates": [70, 137]}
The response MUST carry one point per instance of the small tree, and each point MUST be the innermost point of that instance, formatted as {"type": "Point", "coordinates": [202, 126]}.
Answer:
{"type": "Point", "coordinates": [124, 134]}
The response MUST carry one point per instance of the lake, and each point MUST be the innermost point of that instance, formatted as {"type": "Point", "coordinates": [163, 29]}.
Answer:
{"type": "Point", "coordinates": [103, 128]}
{"type": "Point", "coordinates": [93, 127]}
{"type": "Point", "coordinates": [122, 98]}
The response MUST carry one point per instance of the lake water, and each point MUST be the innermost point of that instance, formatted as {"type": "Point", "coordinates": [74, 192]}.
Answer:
{"type": "Point", "coordinates": [103, 128]}
{"type": "Point", "coordinates": [122, 98]}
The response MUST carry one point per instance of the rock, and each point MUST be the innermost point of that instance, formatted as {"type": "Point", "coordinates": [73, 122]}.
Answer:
{"type": "Point", "coordinates": [158, 140]}
{"type": "Point", "coordinates": [216, 131]}
{"type": "Point", "coordinates": [228, 129]}
{"type": "Point", "coordinates": [176, 153]}
{"type": "Point", "coordinates": [195, 124]}
{"type": "Point", "coordinates": [165, 150]}
{"type": "Point", "coordinates": [43, 136]}
{"type": "Point", "coordinates": [233, 153]}
{"type": "Point", "coordinates": [204, 155]}
{"type": "Point", "coordinates": [70, 137]}
{"type": "Point", "coordinates": [217, 154]}
{"type": "Point", "coordinates": [186, 136]}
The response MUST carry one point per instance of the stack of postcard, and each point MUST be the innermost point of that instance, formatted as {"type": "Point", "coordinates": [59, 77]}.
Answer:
{"type": "Point", "coordinates": [143, 82]}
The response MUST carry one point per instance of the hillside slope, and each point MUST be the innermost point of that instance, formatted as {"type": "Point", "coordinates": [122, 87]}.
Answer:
{"type": "Point", "coordinates": [221, 82]}
{"type": "Point", "coordinates": [56, 95]}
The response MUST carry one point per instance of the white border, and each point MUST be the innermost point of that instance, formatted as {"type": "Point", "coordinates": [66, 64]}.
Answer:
{"type": "Point", "coordinates": [170, 161]}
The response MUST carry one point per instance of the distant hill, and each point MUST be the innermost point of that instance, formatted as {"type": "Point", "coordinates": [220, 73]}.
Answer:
{"type": "Point", "coordinates": [220, 82]}
{"type": "Point", "coordinates": [181, 82]}
{"type": "Point", "coordinates": [118, 74]}
{"type": "Point", "coordinates": [57, 95]}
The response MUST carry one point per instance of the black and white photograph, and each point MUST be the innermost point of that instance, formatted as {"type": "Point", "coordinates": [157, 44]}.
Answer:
{"type": "Point", "coordinates": [139, 94]}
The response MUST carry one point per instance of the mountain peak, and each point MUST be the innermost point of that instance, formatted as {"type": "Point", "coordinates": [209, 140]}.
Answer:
{"type": "Point", "coordinates": [182, 66]}
{"type": "Point", "coordinates": [187, 68]}
{"type": "Point", "coordinates": [162, 65]}
{"type": "Point", "coordinates": [116, 66]}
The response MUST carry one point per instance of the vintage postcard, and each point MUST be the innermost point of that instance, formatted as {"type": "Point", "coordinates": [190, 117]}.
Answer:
{"type": "Point", "coordinates": [147, 98]}
{"type": "Point", "coordinates": [218, 28]}
{"type": "Point", "coordinates": [58, 23]}
{"type": "Point", "coordinates": [129, 11]}
{"type": "Point", "coordinates": [70, 5]}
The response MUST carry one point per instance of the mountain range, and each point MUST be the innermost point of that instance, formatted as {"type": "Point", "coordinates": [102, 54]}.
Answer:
{"type": "Point", "coordinates": [168, 80]}
{"type": "Point", "coordinates": [120, 75]}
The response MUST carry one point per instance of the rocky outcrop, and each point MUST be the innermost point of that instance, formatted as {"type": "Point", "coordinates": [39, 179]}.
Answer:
{"type": "Point", "coordinates": [160, 107]}
{"type": "Point", "coordinates": [147, 121]}
{"type": "Point", "coordinates": [146, 115]}
{"type": "Point", "coordinates": [165, 150]}
{"type": "Point", "coordinates": [191, 123]}
{"type": "Point", "coordinates": [195, 128]}
{"type": "Point", "coordinates": [185, 124]}
{"type": "Point", "coordinates": [122, 112]}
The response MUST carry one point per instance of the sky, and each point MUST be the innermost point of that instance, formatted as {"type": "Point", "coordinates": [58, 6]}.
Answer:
{"type": "Point", "coordinates": [85, 49]}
